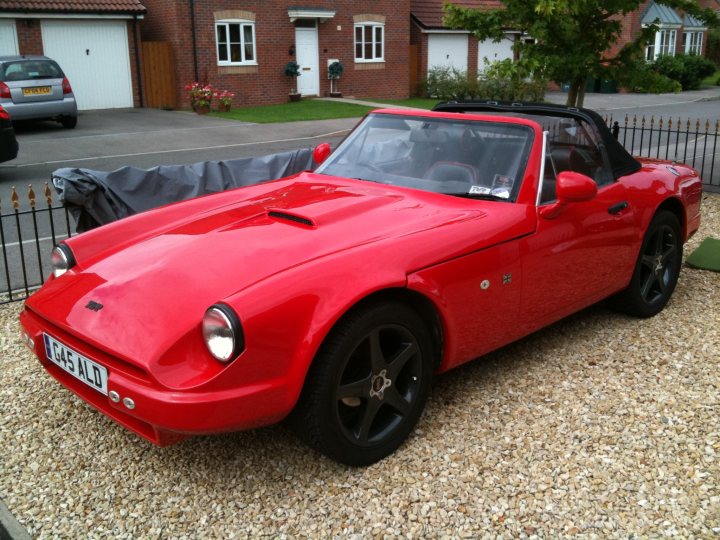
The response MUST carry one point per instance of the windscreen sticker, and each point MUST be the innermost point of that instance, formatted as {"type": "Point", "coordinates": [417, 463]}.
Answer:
{"type": "Point", "coordinates": [479, 190]}
{"type": "Point", "coordinates": [502, 186]}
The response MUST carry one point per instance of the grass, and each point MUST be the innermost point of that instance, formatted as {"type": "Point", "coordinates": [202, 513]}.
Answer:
{"type": "Point", "coordinates": [712, 80]}
{"type": "Point", "coordinates": [306, 109]}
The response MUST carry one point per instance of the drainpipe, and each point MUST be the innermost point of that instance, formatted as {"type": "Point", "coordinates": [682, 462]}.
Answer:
{"type": "Point", "coordinates": [138, 71]}
{"type": "Point", "coordinates": [194, 39]}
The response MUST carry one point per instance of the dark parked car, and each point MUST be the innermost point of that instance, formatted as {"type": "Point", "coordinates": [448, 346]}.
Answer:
{"type": "Point", "coordinates": [8, 143]}
{"type": "Point", "coordinates": [35, 88]}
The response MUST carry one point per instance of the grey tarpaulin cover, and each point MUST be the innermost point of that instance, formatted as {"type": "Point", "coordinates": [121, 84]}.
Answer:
{"type": "Point", "coordinates": [96, 198]}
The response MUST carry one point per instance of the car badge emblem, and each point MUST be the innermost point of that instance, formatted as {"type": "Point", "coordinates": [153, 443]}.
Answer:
{"type": "Point", "coordinates": [94, 306]}
{"type": "Point", "coordinates": [507, 278]}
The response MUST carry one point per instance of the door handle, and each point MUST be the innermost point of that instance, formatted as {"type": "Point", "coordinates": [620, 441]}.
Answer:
{"type": "Point", "coordinates": [618, 207]}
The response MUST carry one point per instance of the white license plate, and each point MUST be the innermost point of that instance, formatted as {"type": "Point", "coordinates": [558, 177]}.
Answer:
{"type": "Point", "coordinates": [77, 365]}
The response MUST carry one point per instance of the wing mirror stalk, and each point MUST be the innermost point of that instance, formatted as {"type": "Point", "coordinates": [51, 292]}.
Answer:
{"type": "Point", "coordinates": [571, 187]}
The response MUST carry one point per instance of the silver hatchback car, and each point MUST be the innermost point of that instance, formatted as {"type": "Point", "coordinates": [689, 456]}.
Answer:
{"type": "Point", "coordinates": [35, 88]}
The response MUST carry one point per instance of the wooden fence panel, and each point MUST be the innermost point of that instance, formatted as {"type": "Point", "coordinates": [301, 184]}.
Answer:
{"type": "Point", "coordinates": [159, 74]}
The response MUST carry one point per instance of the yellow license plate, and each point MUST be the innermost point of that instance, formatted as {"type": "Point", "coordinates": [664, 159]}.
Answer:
{"type": "Point", "coordinates": [36, 91]}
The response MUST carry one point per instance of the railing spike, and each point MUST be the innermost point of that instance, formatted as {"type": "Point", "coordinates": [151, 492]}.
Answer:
{"type": "Point", "coordinates": [717, 126]}
{"type": "Point", "coordinates": [707, 126]}
{"type": "Point", "coordinates": [48, 194]}
{"type": "Point", "coordinates": [697, 125]}
{"type": "Point", "coordinates": [660, 123]}
{"type": "Point", "coordinates": [634, 119]}
{"type": "Point", "coordinates": [670, 123]}
{"type": "Point", "coordinates": [626, 120]}
{"type": "Point", "coordinates": [15, 199]}
{"type": "Point", "coordinates": [642, 124]}
{"type": "Point", "coordinates": [31, 196]}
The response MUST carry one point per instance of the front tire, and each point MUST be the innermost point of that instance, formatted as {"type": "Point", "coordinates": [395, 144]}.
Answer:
{"type": "Point", "coordinates": [368, 385]}
{"type": "Point", "coordinates": [657, 268]}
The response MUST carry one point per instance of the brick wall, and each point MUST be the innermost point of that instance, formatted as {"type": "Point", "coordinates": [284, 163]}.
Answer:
{"type": "Point", "coordinates": [275, 39]}
{"type": "Point", "coordinates": [29, 36]}
{"type": "Point", "coordinates": [417, 37]}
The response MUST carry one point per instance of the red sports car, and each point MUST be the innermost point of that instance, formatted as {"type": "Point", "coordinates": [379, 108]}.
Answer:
{"type": "Point", "coordinates": [425, 240]}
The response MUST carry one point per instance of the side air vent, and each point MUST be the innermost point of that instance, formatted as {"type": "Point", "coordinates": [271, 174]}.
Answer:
{"type": "Point", "coordinates": [276, 214]}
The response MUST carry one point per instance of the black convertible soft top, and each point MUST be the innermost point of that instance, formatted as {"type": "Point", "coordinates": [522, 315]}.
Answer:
{"type": "Point", "coordinates": [621, 162]}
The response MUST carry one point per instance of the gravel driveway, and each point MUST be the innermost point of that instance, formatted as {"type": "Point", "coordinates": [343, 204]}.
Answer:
{"type": "Point", "coordinates": [600, 426]}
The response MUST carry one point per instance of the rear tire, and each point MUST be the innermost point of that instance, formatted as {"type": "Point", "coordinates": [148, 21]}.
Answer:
{"type": "Point", "coordinates": [68, 122]}
{"type": "Point", "coordinates": [657, 268]}
{"type": "Point", "coordinates": [368, 385]}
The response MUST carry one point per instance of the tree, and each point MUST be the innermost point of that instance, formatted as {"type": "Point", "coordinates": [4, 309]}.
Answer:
{"type": "Point", "coordinates": [572, 38]}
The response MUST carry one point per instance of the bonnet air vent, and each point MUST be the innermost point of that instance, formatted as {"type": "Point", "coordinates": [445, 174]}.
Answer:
{"type": "Point", "coordinates": [277, 214]}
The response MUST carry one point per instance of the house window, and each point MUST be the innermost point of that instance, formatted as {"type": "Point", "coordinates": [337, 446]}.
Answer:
{"type": "Point", "coordinates": [235, 43]}
{"type": "Point", "coordinates": [692, 42]}
{"type": "Point", "coordinates": [663, 44]}
{"type": "Point", "coordinates": [369, 42]}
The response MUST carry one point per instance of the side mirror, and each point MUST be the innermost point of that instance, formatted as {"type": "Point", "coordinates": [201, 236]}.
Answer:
{"type": "Point", "coordinates": [571, 187]}
{"type": "Point", "coordinates": [321, 153]}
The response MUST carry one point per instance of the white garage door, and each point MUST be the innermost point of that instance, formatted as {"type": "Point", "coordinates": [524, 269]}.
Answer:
{"type": "Point", "coordinates": [8, 38]}
{"type": "Point", "coordinates": [95, 57]}
{"type": "Point", "coordinates": [448, 50]}
{"type": "Point", "coordinates": [494, 52]}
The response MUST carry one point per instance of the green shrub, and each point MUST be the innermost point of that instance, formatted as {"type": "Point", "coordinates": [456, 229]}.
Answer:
{"type": "Point", "coordinates": [688, 70]}
{"type": "Point", "coordinates": [500, 81]}
{"type": "Point", "coordinates": [712, 49]}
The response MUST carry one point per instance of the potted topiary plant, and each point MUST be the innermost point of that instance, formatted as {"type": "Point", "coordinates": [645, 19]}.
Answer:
{"type": "Point", "coordinates": [335, 71]}
{"type": "Point", "coordinates": [292, 70]}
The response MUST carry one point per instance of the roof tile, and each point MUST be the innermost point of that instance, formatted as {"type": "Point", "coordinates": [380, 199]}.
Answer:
{"type": "Point", "coordinates": [74, 6]}
{"type": "Point", "coordinates": [429, 13]}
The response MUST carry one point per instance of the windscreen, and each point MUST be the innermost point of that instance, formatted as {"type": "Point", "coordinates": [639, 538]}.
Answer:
{"type": "Point", "coordinates": [29, 70]}
{"type": "Point", "coordinates": [467, 158]}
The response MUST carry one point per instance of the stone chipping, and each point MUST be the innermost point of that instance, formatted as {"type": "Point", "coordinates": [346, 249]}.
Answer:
{"type": "Point", "coordinates": [600, 426]}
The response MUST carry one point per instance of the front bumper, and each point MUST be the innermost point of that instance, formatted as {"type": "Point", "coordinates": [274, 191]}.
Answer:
{"type": "Point", "coordinates": [161, 415]}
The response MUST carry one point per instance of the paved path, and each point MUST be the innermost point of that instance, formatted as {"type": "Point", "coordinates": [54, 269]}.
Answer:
{"type": "Point", "coordinates": [598, 102]}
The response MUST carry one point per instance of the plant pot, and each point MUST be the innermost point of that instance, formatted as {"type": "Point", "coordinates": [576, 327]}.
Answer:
{"type": "Point", "coordinates": [222, 107]}
{"type": "Point", "coordinates": [294, 97]}
{"type": "Point", "coordinates": [202, 109]}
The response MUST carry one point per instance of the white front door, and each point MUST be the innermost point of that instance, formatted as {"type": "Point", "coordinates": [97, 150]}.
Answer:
{"type": "Point", "coordinates": [95, 57]}
{"type": "Point", "coordinates": [306, 51]}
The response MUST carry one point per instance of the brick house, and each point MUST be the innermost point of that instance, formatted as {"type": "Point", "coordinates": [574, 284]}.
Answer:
{"type": "Point", "coordinates": [677, 32]}
{"type": "Point", "coordinates": [244, 46]}
{"type": "Point", "coordinates": [439, 46]}
{"type": "Point", "coordinates": [94, 41]}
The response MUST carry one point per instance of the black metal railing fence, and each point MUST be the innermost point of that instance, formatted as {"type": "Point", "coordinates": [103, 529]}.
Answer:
{"type": "Point", "coordinates": [28, 232]}
{"type": "Point", "coordinates": [29, 229]}
{"type": "Point", "coordinates": [693, 143]}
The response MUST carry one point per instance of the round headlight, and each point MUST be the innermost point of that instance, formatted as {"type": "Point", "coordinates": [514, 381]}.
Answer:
{"type": "Point", "coordinates": [61, 260]}
{"type": "Point", "coordinates": [221, 332]}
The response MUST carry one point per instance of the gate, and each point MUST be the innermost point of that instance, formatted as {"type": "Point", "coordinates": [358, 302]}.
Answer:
{"type": "Point", "coordinates": [159, 74]}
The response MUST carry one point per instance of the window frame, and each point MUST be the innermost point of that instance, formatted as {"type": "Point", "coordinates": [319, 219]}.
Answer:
{"type": "Point", "coordinates": [242, 23]}
{"type": "Point", "coordinates": [374, 26]}
{"type": "Point", "coordinates": [692, 42]}
{"type": "Point", "coordinates": [664, 42]}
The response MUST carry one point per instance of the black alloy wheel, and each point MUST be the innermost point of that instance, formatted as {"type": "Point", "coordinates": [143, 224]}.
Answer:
{"type": "Point", "coordinates": [657, 268]}
{"type": "Point", "coordinates": [368, 385]}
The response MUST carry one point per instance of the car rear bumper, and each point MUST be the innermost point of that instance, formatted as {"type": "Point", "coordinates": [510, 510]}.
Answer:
{"type": "Point", "coordinates": [161, 415]}
{"type": "Point", "coordinates": [40, 110]}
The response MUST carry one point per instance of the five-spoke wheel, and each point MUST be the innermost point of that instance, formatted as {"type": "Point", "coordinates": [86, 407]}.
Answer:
{"type": "Point", "coordinates": [657, 269]}
{"type": "Point", "coordinates": [368, 385]}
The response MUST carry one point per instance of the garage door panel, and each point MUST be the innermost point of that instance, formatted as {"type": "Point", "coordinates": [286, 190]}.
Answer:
{"type": "Point", "coordinates": [96, 59]}
{"type": "Point", "coordinates": [448, 50]}
{"type": "Point", "coordinates": [490, 51]}
{"type": "Point", "coordinates": [8, 38]}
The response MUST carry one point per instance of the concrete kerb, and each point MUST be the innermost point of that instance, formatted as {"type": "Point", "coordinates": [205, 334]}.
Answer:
{"type": "Point", "coordinates": [10, 529]}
